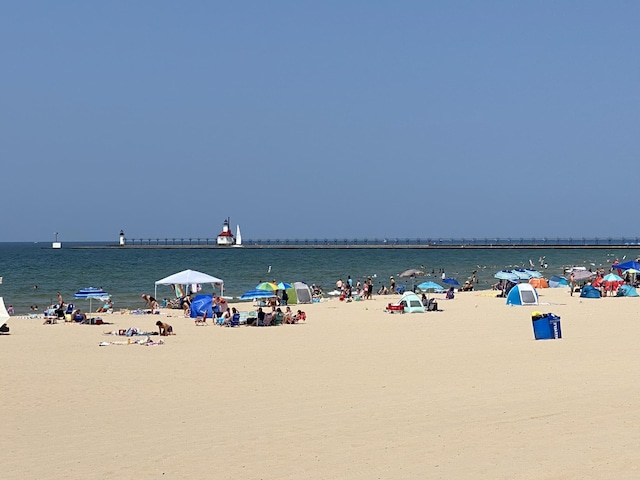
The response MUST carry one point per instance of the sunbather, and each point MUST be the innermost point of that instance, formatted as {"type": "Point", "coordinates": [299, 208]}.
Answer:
{"type": "Point", "coordinates": [107, 307]}
{"type": "Point", "coordinates": [226, 317]}
{"type": "Point", "coordinates": [288, 315]}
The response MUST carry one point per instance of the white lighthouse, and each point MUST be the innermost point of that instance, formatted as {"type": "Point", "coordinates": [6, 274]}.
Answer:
{"type": "Point", "coordinates": [225, 238]}
{"type": "Point", "coordinates": [56, 244]}
{"type": "Point", "coordinates": [122, 240]}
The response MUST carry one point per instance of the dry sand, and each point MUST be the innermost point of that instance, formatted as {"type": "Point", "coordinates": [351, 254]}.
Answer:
{"type": "Point", "coordinates": [354, 393]}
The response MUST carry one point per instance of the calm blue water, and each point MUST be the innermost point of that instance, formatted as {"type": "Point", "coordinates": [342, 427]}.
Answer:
{"type": "Point", "coordinates": [127, 273]}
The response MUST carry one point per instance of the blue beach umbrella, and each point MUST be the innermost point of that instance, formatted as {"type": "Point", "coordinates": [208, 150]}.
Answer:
{"type": "Point", "coordinates": [284, 285]}
{"type": "Point", "coordinates": [612, 277]}
{"type": "Point", "coordinates": [256, 293]}
{"type": "Point", "coordinates": [430, 287]}
{"type": "Point", "coordinates": [91, 293]}
{"type": "Point", "coordinates": [533, 273]}
{"type": "Point", "coordinates": [451, 281]}
{"type": "Point", "coordinates": [557, 281]}
{"type": "Point", "coordinates": [626, 265]}
{"type": "Point", "coordinates": [506, 275]}
{"type": "Point", "coordinates": [521, 274]}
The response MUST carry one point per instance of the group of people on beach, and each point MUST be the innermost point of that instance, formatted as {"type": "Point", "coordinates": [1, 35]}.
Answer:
{"type": "Point", "coordinates": [276, 317]}
{"type": "Point", "coordinates": [363, 291]}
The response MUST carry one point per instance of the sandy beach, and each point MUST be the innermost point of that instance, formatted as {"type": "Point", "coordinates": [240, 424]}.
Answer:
{"type": "Point", "coordinates": [355, 393]}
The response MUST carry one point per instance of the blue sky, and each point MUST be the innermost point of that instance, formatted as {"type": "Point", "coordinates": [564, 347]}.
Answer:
{"type": "Point", "coordinates": [333, 119]}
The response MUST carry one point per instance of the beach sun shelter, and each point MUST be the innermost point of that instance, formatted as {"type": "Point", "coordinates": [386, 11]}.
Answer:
{"type": "Point", "coordinates": [626, 291]}
{"type": "Point", "coordinates": [412, 303]}
{"type": "Point", "coordinates": [189, 277]}
{"type": "Point", "coordinates": [588, 291]}
{"type": "Point", "coordinates": [522, 294]}
{"type": "Point", "coordinates": [302, 293]}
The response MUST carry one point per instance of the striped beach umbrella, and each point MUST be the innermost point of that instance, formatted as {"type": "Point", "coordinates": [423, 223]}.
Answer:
{"type": "Point", "coordinates": [91, 293]}
{"type": "Point", "coordinates": [256, 293]}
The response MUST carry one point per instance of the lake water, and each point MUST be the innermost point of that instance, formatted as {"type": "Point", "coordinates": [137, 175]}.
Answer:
{"type": "Point", "coordinates": [127, 273]}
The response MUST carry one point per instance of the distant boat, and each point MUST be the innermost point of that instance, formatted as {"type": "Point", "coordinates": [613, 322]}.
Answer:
{"type": "Point", "coordinates": [238, 237]}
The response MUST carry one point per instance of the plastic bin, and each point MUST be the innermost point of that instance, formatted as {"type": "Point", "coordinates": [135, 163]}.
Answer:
{"type": "Point", "coordinates": [546, 326]}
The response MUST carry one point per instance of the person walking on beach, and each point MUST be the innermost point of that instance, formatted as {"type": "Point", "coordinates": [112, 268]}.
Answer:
{"type": "Point", "coordinates": [572, 282]}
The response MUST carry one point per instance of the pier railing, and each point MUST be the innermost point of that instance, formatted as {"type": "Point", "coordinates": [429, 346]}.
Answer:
{"type": "Point", "coordinates": [398, 242]}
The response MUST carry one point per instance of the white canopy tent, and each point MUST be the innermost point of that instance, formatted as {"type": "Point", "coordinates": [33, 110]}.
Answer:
{"type": "Point", "coordinates": [4, 315]}
{"type": "Point", "coordinates": [189, 277]}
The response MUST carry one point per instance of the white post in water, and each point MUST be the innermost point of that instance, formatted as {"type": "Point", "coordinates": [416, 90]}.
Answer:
{"type": "Point", "coordinates": [56, 243]}
{"type": "Point", "coordinates": [122, 238]}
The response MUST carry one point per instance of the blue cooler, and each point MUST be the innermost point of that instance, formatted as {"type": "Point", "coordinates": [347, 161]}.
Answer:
{"type": "Point", "coordinates": [546, 326]}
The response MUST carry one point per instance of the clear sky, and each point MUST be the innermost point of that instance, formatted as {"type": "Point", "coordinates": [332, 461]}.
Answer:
{"type": "Point", "coordinates": [326, 119]}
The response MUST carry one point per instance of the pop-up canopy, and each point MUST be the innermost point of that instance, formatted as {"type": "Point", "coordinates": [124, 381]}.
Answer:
{"type": "Point", "coordinates": [190, 277]}
{"type": "Point", "coordinates": [4, 315]}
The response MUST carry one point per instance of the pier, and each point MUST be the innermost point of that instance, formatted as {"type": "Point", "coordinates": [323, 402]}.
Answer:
{"type": "Point", "coordinates": [406, 243]}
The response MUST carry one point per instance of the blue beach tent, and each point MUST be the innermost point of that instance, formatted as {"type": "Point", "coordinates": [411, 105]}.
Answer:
{"type": "Point", "coordinates": [626, 291]}
{"type": "Point", "coordinates": [522, 294]}
{"type": "Point", "coordinates": [589, 291]}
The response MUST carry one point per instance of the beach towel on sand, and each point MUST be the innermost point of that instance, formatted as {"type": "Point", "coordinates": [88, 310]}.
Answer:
{"type": "Point", "coordinates": [142, 341]}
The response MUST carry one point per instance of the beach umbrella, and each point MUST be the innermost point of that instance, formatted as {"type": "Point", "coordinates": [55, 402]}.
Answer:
{"type": "Point", "coordinates": [269, 286]}
{"type": "Point", "coordinates": [412, 272]}
{"type": "Point", "coordinates": [521, 274]}
{"type": "Point", "coordinates": [506, 275]}
{"type": "Point", "coordinates": [91, 293]}
{"type": "Point", "coordinates": [580, 275]}
{"type": "Point", "coordinates": [627, 265]}
{"type": "Point", "coordinates": [557, 281]}
{"type": "Point", "coordinates": [256, 293]}
{"type": "Point", "coordinates": [284, 285]}
{"type": "Point", "coordinates": [612, 277]}
{"type": "Point", "coordinates": [630, 270]}
{"type": "Point", "coordinates": [533, 273]}
{"type": "Point", "coordinates": [430, 287]}
{"type": "Point", "coordinates": [451, 281]}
